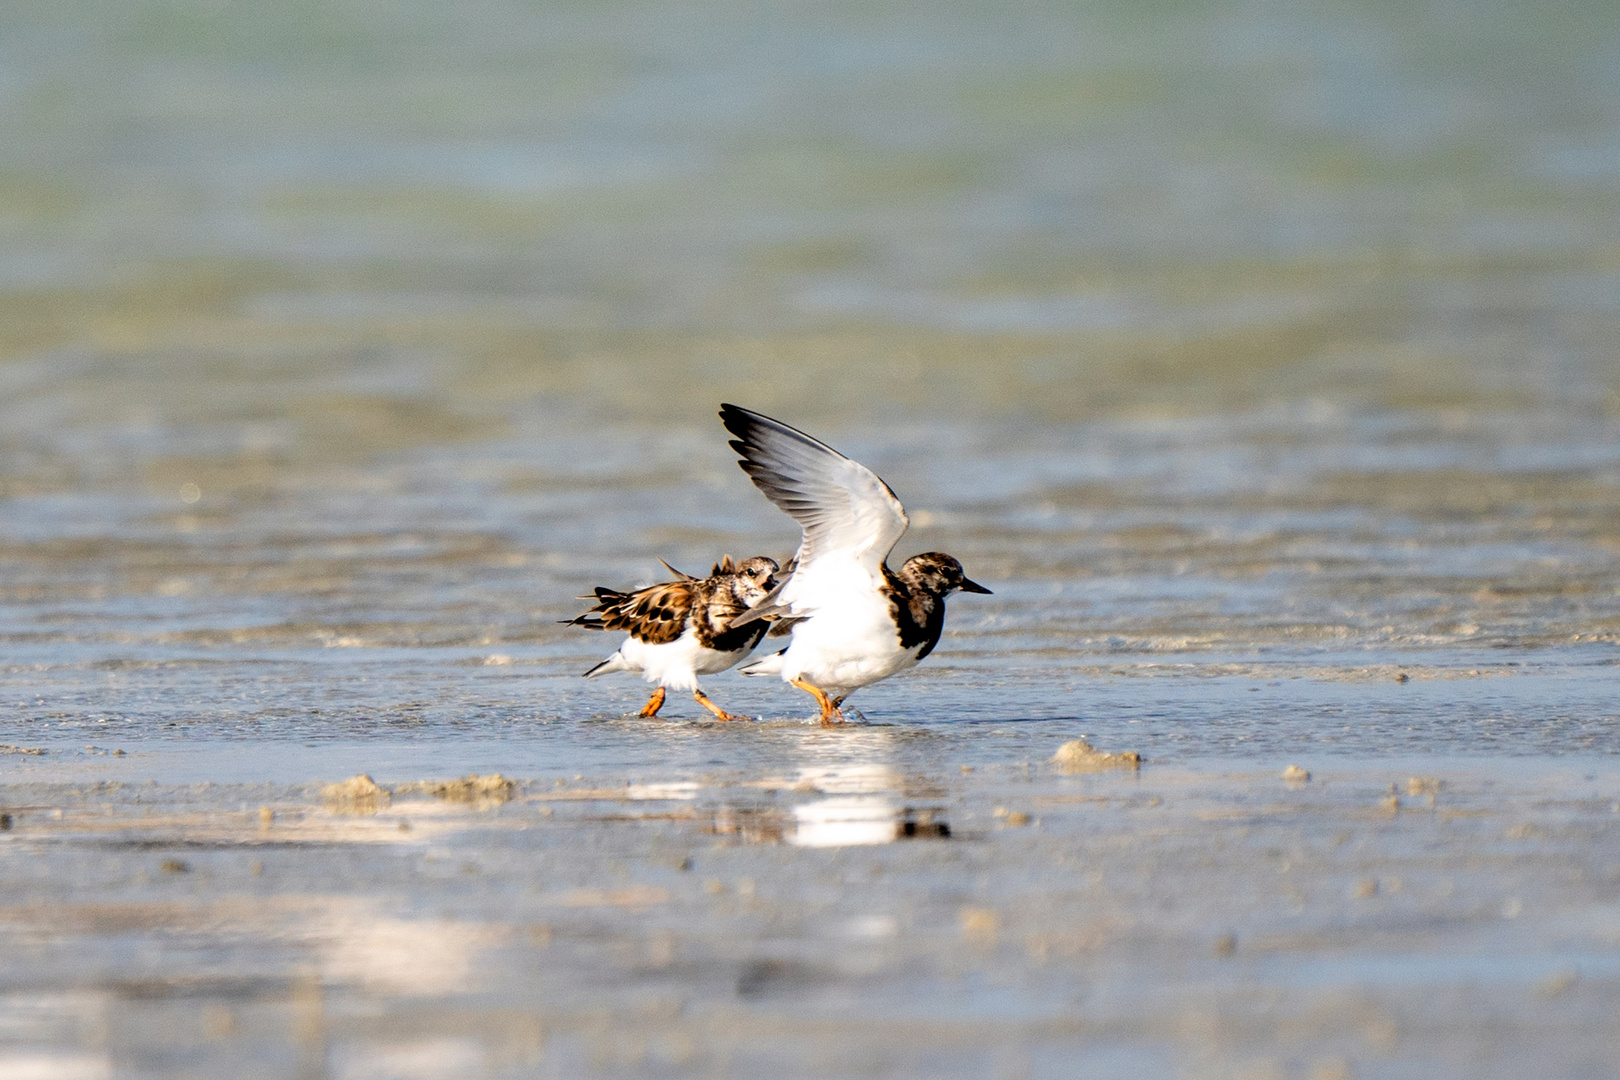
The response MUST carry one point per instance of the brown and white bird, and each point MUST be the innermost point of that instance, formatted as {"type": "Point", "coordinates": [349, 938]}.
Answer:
{"type": "Point", "coordinates": [682, 629]}
{"type": "Point", "coordinates": [854, 621]}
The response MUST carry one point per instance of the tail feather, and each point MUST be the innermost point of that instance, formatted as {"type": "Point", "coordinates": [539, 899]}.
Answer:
{"type": "Point", "coordinates": [612, 663]}
{"type": "Point", "coordinates": [765, 665]}
{"type": "Point", "coordinates": [606, 601]}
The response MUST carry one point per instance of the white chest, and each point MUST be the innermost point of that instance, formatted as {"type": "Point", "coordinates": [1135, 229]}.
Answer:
{"type": "Point", "coordinates": [678, 663]}
{"type": "Point", "coordinates": [848, 644]}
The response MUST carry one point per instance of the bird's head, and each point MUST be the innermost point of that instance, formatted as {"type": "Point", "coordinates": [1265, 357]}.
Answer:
{"type": "Point", "coordinates": [938, 573]}
{"type": "Point", "coordinates": [755, 577]}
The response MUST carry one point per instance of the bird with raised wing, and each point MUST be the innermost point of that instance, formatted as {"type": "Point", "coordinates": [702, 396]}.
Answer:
{"type": "Point", "coordinates": [853, 620]}
{"type": "Point", "coordinates": [681, 629]}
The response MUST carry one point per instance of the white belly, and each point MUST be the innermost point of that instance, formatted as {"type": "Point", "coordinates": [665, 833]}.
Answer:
{"type": "Point", "coordinates": [678, 663]}
{"type": "Point", "coordinates": [847, 644]}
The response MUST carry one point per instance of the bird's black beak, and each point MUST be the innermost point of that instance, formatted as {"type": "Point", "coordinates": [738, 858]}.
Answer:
{"type": "Point", "coordinates": [974, 586]}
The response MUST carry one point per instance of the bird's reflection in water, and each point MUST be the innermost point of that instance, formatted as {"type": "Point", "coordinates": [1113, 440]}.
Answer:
{"type": "Point", "coordinates": [847, 820]}
{"type": "Point", "coordinates": [864, 799]}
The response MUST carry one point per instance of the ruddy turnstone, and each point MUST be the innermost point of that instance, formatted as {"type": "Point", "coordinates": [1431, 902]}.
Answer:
{"type": "Point", "coordinates": [682, 629]}
{"type": "Point", "coordinates": [854, 621]}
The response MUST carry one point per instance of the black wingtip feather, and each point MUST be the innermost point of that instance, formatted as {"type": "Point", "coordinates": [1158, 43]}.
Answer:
{"type": "Point", "coordinates": [806, 478]}
{"type": "Point", "coordinates": [741, 422]}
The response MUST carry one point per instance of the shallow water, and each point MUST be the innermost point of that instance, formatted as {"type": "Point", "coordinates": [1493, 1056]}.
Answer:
{"type": "Point", "coordinates": [731, 920]}
{"type": "Point", "coordinates": [1259, 357]}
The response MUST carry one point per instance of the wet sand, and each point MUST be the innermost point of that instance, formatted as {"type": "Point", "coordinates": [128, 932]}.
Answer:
{"type": "Point", "coordinates": [793, 901]}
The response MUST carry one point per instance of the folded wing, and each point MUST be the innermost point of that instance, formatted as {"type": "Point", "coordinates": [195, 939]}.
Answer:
{"type": "Point", "coordinates": [657, 614]}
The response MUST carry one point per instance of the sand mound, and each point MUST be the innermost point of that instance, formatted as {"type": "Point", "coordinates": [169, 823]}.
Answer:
{"type": "Point", "coordinates": [1080, 756]}
{"type": "Point", "coordinates": [357, 795]}
{"type": "Point", "coordinates": [491, 790]}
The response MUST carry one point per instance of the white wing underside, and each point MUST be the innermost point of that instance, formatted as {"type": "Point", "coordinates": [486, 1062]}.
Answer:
{"type": "Point", "coordinates": [850, 517]}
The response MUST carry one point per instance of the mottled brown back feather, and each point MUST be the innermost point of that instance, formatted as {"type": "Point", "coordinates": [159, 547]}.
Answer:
{"type": "Point", "coordinates": [659, 614]}
{"type": "Point", "coordinates": [713, 625]}
{"type": "Point", "coordinates": [656, 614]}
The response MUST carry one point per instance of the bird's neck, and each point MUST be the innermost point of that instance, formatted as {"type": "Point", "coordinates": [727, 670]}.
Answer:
{"type": "Point", "coordinates": [918, 610]}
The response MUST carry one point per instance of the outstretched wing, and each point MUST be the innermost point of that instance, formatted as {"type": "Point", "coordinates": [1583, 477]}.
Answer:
{"type": "Point", "coordinates": [848, 514]}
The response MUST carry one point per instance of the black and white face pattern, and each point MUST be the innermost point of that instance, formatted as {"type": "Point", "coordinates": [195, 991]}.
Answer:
{"type": "Point", "coordinates": [754, 578]}
{"type": "Point", "coordinates": [759, 571]}
{"type": "Point", "coordinates": [728, 594]}
{"type": "Point", "coordinates": [938, 574]}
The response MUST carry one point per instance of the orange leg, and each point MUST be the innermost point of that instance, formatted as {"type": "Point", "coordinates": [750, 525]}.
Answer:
{"type": "Point", "coordinates": [829, 708]}
{"type": "Point", "coordinates": [719, 714]}
{"type": "Point", "coordinates": [654, 703]}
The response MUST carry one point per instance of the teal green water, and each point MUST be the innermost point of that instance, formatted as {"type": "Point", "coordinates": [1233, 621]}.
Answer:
{"type": "Point", "coordinates": [1259, 356]}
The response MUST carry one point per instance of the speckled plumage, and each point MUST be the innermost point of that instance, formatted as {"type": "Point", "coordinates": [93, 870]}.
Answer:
{"type": "Point", "coordinates": [681, 629]}
{"type": "Point", "coordinates": [917, 597]}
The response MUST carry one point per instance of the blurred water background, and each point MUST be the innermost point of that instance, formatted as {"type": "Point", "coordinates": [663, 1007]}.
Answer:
{"type": "Point", "coordinates": [1260, 357]}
